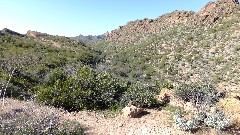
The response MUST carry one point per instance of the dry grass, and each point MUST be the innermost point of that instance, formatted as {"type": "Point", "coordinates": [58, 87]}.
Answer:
{"type": "Point", "coordinates": [20, 117]}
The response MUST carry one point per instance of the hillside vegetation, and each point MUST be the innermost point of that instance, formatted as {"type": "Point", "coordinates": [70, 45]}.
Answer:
{"type": "Point", "coordinates": [181, 46]}
{"type": "Point", "coordinates": [32, 60]}
{"type": "Point", "coordinates": [178, 59]}
{"type": "Point", "coordinates": [62, 72]}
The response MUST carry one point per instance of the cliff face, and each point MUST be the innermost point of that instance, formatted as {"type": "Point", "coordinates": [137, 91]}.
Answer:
{"type": "Point", "coordinates": [141, 29]}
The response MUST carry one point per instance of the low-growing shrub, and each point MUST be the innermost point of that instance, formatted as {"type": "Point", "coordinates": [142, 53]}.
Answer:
{"type": "Point", "coordinates": [186, 125]}
{"type": "Point", "coordinates": [217, 121]}
{"type": "Point", "coordinates": [202, 93]}
{"type": "Point", "coordinates": [37, 121]}
{"type": "Point", "coordinates": [70, 127]}
{"type": "Point", "coordinates": [167, 85]}
{"type": "Point", "coordinates": [214, 120]}
{"type": "Point", "coordinates": [140, 95]}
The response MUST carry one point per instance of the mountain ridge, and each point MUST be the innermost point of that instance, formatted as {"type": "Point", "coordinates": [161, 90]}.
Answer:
{"type": "Point", "coordinates": [208, 16]}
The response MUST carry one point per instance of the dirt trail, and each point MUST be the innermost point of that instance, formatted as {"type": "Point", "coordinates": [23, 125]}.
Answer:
{"type": "Point", "coordinates": [151, 122]}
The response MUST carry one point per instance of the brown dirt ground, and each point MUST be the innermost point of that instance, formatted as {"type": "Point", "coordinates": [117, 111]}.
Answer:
{"type": "Point", "coordinates": [151, 122]}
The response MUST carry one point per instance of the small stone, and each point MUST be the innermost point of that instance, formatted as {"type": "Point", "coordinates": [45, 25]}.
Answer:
{"type": "Point", "coordinates": [120, 125]}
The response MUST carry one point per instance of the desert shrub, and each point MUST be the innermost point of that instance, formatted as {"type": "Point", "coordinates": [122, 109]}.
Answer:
{"type": "Point", "coordinates": [29, 121]}
{"type": "Point", "coordinates": [202, 93]}
{"type": "Point", "coordinates": [167, 85]}
{"type": "Point", "coordinates": [237, 48]}
{"type": "Point", "coordinates": [17, 84]}
{"type": "Point", "coordinates": [88, 57]}
{"type": "Point", "coordinates": [18, 122]}
{"type": "Point", "coordinates": [217, 121]}
{"type": "Point", "coordinates": [70, 127]}
{"type": "Point", "coordinates": [214, 120]}
{"type": "Point", "coordinates": [140, 95]}
{"type": "Point", "coordinates": [87, 89]}
{"type": "Point", "coordinates": [186, 125]}
{"type": "Point", "coordinates": [56, 74]}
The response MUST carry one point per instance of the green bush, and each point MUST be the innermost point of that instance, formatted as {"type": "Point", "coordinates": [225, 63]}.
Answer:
{"type": "Point", "coordinates": [87, 89]}
{"type": "Point", "coordinates": [167, 85]}
{"type": "Point", "coordinates": [140, 95]}
{"type": "Point", "coordinates": [56, 74]}
{"type": "Point", "coordinates": [237, 48]}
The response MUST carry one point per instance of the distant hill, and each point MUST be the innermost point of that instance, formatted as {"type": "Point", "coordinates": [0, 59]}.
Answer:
{"type": "Point", "coordinates": [8, 31]}
{"type": "Point", "coordinates": [88, 38]}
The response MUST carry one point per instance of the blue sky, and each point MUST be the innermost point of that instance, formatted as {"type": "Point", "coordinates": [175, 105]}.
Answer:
{"type": "Point", "coordinates": [74, 17]}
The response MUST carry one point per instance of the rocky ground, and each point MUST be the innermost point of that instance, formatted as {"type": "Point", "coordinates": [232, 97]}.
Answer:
{"type": "Point", "coordinates": [150, 122]}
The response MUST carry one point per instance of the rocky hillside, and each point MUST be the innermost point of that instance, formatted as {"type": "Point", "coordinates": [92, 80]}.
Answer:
{"type": "Point", "coordinates": [182, 46]}
{"type": "Point", "coordinates": [208, 16]}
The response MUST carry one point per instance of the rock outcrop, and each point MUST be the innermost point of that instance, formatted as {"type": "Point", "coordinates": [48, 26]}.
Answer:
{"type": "Point", "coordinates": [214, 11]}
{"type": "Point", "coordinates": [35, 34]}
{"type": "Point", "coordinates": [229, 2]}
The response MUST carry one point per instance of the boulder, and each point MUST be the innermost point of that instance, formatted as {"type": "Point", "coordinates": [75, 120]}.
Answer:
{"type": "Point", "coordinates": [131, 111]}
